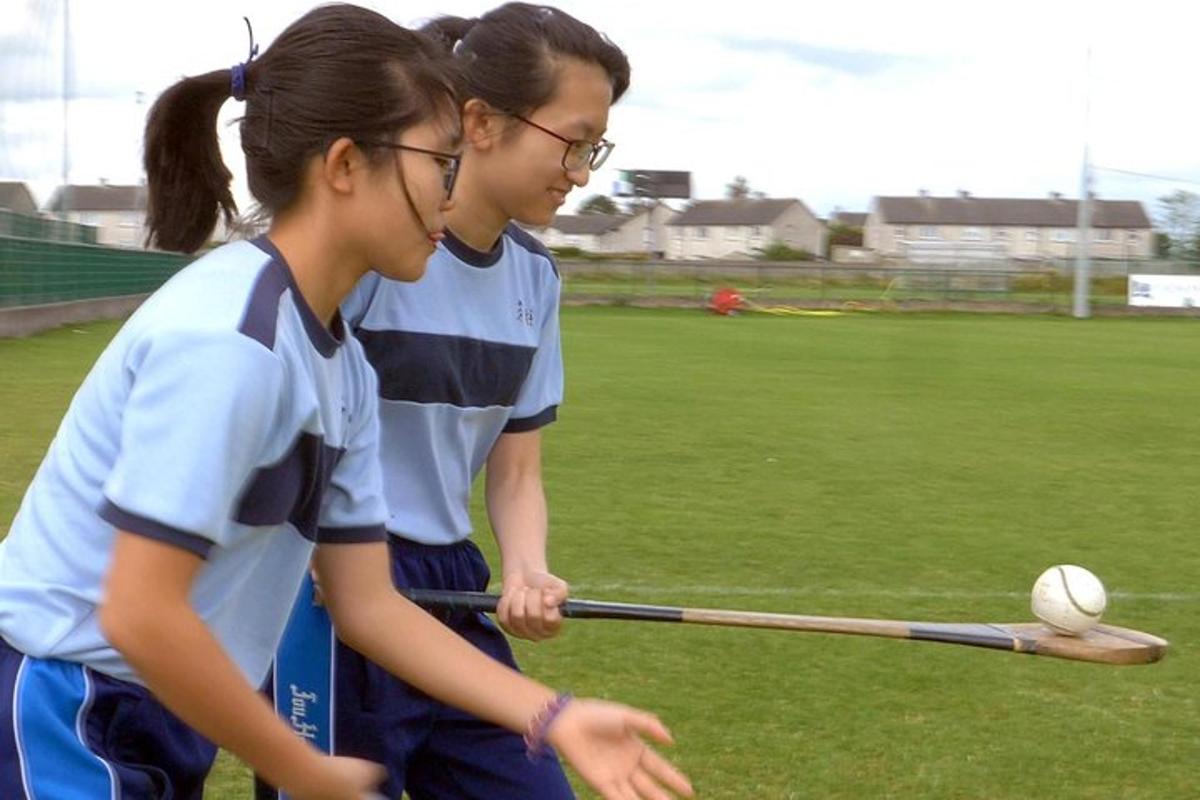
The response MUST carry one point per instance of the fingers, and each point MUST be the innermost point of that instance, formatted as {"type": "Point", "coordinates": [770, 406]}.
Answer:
{"type": "Point", "coordinates": [531, 613]}
{"type": "Point", "coordinates": [647, 788]}
{"type": "Point", "coordinates": [665, 773]}
{"type": "Point", "coordinates": [648, 725]}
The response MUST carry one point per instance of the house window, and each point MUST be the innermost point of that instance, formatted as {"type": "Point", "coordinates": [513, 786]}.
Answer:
{"type": "Point", "coordinates": [1103, 235]}
{"type": "Point", "coordinates": [1031, 235]}
{"type": "Point", "coordinates": [731, 233]}
{"type": "Point", "coordinates": [972, 235]}
{"type": "Point", "coordinates": [929, 232]}
{"type": "Point", "coordinates": [999, 235]}
{"type": "Point", "coordinates": [1134, 237]}
{"type": "Point", "coordinates": [901, 232]}
{"type": "Point", "coordinates": [756, 231]}
{"type": "Point", "coordinates": [701, 233]}
{"type": "Point", "coordinates": [1064, 235]}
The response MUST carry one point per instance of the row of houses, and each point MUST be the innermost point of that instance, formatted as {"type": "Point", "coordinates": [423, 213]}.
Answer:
{"type": "Point", "coordinates": [920, 228]}
{"type": "Point", "coordinates": [916, 228]}
{"type": "Point", "coordinates": [118, 213]}
{"type": "Point", "coordinates": [706, 229]}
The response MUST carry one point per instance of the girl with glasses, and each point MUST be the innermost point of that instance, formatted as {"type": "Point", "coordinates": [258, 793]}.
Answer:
{"type": "Point", "coordinates": [228, 436]}
{"type": "Point", "coordinates": [470, 372]}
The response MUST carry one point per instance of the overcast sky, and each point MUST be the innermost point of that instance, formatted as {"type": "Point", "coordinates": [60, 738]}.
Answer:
{"type": "Point", "coordinates": [829, 102]}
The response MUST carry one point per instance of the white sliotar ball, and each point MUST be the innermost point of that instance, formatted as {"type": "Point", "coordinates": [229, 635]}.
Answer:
{"type": "Point", "coordinates": [1069, 599]}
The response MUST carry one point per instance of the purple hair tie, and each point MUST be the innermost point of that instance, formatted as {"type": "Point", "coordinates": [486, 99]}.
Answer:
{"type": "Point", "coordinates": [237, 81]}
{"type": "Point", "coordinates": [237, 73]}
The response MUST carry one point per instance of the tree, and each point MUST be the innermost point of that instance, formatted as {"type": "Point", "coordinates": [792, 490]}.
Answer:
{"type": "Point", "coordinates": [738, 188]}
{"type": "Point", "coordinates": [850, 235]}
{"type": "Point", "coordinates": [1179, 217]}
{"type": "Point", "coordinates": [781, 251]}
{"type": "Point", "coordinates": [598, 204]}
{"type": "Point", "coordinates": [1162, 245]}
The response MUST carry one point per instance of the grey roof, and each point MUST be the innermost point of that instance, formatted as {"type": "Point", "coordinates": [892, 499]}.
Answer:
{"type": "Point", "coordinates": [744, 211]}
{"type": "Point", "coordinates": [15, 196]}
{"type": "Point", "coordinates": [855, 219]}
{"type": "Point", "coordinates": [587, 224]}
{"type": "Point", "coordinates": [107, 197]}
{"type": "Point", "coordinates": [1031, 212]}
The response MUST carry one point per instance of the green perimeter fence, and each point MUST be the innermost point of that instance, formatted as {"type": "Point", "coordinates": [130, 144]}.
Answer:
{"type": "Point", "coordinates": [35, 272]}
{"type": "Point", "coordinates": [45, 228]}
{"type": "Point", "coordinates": [1035, 287]}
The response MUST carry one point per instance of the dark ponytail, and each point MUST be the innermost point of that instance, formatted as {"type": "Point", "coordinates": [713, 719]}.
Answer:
{"type": "Point", "coordinates": [509, 54]}
{"type": "Point", "coordinates": [338, 71]}
{"type": "Point", "coordinates": [188, 181]}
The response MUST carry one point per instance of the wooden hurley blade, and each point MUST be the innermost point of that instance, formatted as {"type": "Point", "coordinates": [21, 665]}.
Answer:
{"type": "Point", "coordinates": [1103, 644]}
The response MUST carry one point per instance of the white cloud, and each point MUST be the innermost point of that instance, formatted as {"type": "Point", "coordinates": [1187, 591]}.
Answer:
{"type": "Point", "coordinates": [827, 102]}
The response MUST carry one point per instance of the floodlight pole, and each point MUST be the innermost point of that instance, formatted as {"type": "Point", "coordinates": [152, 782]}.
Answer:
{"type": "Point", "coordinates": [1083, 259]}
{"type": "Point", "coordinates": [1083, 222]}
{"type": "Point", "coordinates": [64, 193]}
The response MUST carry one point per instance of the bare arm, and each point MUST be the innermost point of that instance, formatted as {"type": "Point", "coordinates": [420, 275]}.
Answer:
{"type": "Point", "coordinates": [516, 504]}
{"type": "Point", "coordinates": [147, 616]}
{"type": "Point", "coordinates": [603, 741]}
{"type": "Point", "coordinates": [371, 617]}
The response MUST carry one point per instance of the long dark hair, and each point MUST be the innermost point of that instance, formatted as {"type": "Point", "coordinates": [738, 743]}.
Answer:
{"type": "Point", "coordinates": [339, 70]}
{"type": "Point", "coordinates": [509, 53]}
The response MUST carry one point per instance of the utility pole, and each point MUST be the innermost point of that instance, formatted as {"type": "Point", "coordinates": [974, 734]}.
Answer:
{"type": "Point", "coordinates": [1083, 222]}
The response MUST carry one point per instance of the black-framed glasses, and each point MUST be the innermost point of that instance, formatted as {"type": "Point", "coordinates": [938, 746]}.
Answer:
{"type": "Point", "coordinates": [449, 163]}
{"type": "Point", "coordinates": [579, 151]}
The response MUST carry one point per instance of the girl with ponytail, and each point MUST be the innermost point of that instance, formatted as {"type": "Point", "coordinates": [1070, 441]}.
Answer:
{"type": "Point", "coordinates": [227, 437]}
{"type": "Point", "coordinates": [470, 371]}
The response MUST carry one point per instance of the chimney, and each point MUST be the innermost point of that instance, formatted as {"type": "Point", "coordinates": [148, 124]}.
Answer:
{"type": "Point", "coordinates": [963, 193]}
{"type": "Point", "coordinates": [1056, 195]}
{"type": "Point", "coordinates": [923, 193]}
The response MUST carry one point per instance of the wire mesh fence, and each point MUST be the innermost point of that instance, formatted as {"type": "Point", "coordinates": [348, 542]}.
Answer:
{"type": "Point", "coordinates": [1044, 286]}
{"type": "Point", "coordinates": [39, 272]}
{"type": "Point", "coordinates": [45, 228]}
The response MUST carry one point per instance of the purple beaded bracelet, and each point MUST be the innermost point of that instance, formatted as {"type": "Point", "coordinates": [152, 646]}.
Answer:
{"type": "Point", "coordinates": [539, 726]}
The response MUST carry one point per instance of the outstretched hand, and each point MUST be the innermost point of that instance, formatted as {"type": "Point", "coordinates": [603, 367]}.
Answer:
{"type": "Point", "coordinates": [606, 744]}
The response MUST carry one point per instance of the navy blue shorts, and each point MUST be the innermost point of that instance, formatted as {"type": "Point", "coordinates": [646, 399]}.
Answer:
{"type": "Point", "coordinates": [68, 732]}
{"type": "Point", "coordinates": [430, 749]}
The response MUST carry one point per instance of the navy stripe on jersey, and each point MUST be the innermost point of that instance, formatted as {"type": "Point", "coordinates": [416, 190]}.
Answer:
{"type": "Point", "coordinates": [262, 310]}
{"type": "Point", "coordinates": [370, 533]}
{"type": "Point", "coordinates": [454, 370]}
{"type": "Point", "coordinates": [152, 529]}
{"type": "Point", "coordinates": [538, 420]}
{"type": "Point", "coordinates": [528, 242]}
{"type": "Point", "coordinates": [290, 490]}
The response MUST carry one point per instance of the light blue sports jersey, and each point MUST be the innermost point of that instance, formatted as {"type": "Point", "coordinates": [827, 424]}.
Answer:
{"type": "Point", "coordinates": [223, 418]}
{"type": "Point", "coordinates": [468, 352]}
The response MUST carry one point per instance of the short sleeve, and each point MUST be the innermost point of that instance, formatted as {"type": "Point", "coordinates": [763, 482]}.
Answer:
{"type": "Point", "coordinates": [194, 426]}
{"type": "Point", "coordinates": [542, 392]}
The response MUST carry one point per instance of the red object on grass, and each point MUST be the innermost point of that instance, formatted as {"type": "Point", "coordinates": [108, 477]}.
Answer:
{"type": "Point", "coordinates": [725, 301]}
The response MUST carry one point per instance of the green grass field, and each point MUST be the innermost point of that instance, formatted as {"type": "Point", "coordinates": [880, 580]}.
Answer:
{"type": "Point", "coordinates": [910, 466]}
